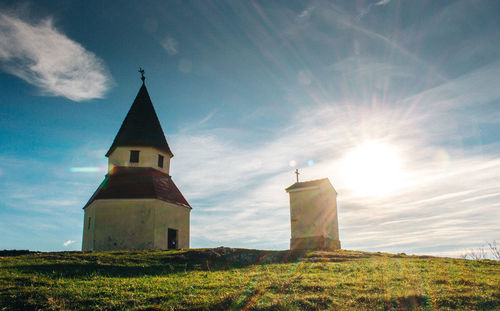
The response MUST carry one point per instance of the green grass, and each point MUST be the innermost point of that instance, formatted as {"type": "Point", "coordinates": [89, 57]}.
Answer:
{"type": "Point", "coordinates": [239, 279]}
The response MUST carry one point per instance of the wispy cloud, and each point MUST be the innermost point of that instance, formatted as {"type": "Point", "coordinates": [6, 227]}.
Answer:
{"type": "Point", "coordinates": [366, 10]}
{"type": "Point", "coordinates": [170, 45]}
{"type": "Point", "coordinates": [43, 56]}
{"type": "Point", "coordinates": [68, 242]}
{"type": "Point", "coordinates": [304, 15]}
{"type": "Point", "coordinates": [196, 126]}
{"type": "Point", "coordinates": [383, 2]}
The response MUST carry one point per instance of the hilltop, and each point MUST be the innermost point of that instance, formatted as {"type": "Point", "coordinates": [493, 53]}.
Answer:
{"type": "Point", "coordinates": [234, 279]}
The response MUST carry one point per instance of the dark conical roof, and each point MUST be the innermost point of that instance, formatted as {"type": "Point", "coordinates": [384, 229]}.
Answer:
{"type": "Point", "coordinates": [141, 126]}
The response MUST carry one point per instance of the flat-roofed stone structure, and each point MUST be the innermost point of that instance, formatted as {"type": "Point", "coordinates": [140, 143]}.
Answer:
{"type": "Point", "coordinates": [313, 216]}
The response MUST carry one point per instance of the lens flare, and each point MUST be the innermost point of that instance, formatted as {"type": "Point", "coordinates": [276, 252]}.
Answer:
{"type": "Point", "coordinates": [87, 169]}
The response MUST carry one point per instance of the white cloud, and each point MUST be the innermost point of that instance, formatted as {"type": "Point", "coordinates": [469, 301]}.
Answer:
{"type": "Point", "coordinates": [68, 242]}
{"type": "Point", "coordinates": [170, 45]}
{"type": "Point", "coordinates": [383, 2]}
{"type": "Point", "coordinates": [304, 15]}
{"type": "Point", "coordinates": [48, 59]}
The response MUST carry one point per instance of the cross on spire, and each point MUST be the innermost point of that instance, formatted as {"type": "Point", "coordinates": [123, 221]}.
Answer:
{"type": "Point", "coordinates": [142, 74]}
{"type": "Point", "coordinates": [297, 173]}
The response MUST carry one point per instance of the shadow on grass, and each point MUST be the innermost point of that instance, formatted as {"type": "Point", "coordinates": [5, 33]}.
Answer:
{"type": "Point", "coordinates": [16, 252]}
{"type": "Point", "coordinates": [140, 263]}
{"type": "Point", "coordinates": [133, 264]}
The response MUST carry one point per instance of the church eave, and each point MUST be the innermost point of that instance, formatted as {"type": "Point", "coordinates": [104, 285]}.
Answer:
{"type": "Point", "coordinates": [308, 184]}
{"type": "Point", "coordinates": [138, 144]}
{"type": "Point", "coordinates": [138, 183]}
{"type": "Point", "coordinates": [146, 198]}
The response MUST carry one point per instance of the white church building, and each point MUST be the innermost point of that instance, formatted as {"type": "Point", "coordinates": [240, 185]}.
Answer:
{"type": "Point", "coordinates": [138, 205]}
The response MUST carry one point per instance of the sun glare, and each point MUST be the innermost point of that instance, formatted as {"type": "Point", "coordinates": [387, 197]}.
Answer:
{"type": "Point", "coordinates": [372, 169]}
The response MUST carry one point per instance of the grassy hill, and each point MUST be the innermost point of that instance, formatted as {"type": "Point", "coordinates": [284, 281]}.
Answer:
{"type": "Point", "coordinates": [241, 279]}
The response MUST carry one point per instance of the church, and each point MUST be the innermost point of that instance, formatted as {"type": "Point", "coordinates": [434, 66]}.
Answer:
{"type": "Point", "coordinates": [138, 205]}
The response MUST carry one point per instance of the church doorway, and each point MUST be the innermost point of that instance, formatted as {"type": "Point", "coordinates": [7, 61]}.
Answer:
{"type": "Point", "coordinates": [172, 238]}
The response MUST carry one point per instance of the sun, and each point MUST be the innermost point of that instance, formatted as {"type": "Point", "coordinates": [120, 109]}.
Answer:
{"type": "Point", "coordinates": [372, 169]}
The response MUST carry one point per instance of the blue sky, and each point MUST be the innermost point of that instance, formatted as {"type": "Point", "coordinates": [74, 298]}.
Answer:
{"type": "Point", "coordinates": [397, 102]}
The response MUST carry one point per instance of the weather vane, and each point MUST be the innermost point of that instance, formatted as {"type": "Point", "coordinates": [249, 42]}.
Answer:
{"type": "Point", "coordinates": [142, 74]}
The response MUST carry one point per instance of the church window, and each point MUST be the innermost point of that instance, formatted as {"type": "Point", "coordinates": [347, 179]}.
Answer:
{"type": "Point", "coordinates": [88, 227]}
{"type": "Point", "coordinates": [134, 156]}
{"type": "Point", "coordinates": [160, 161]}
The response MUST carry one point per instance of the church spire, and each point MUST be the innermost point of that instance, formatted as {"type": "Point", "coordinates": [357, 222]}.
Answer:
{"type": "Point", "coordinates": [141, 126]}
